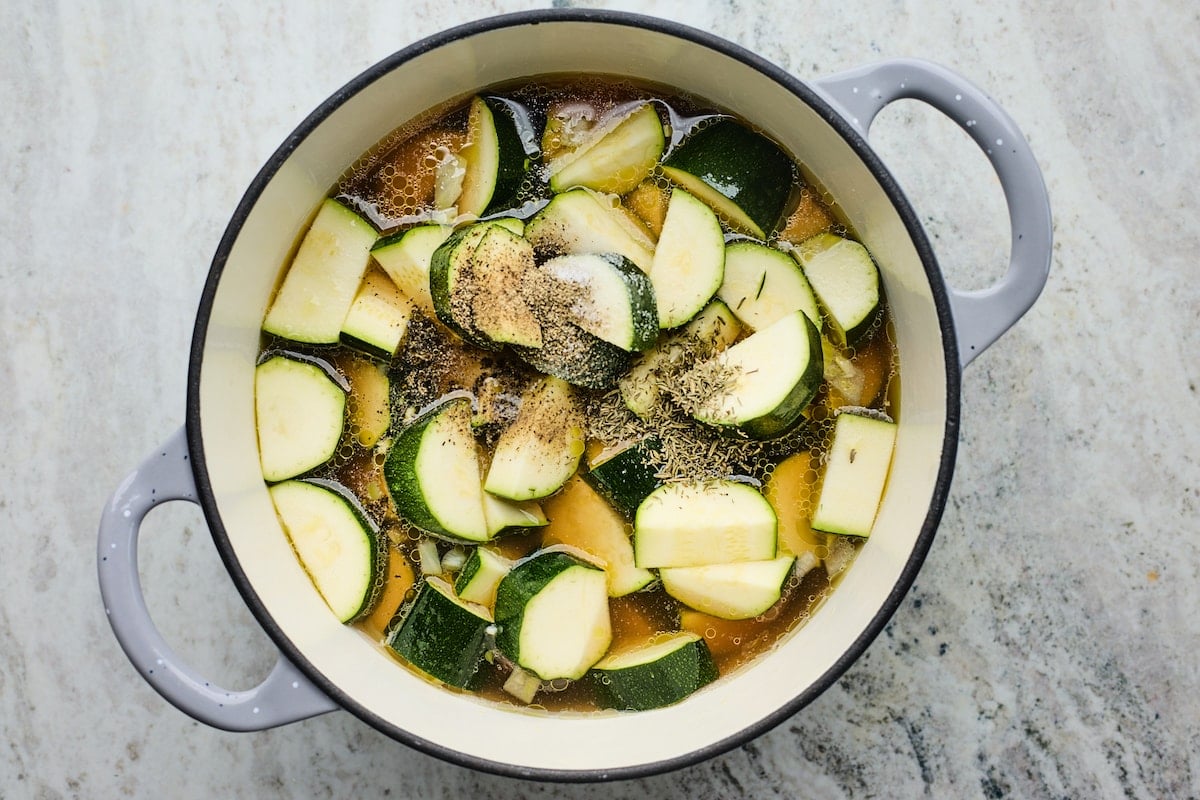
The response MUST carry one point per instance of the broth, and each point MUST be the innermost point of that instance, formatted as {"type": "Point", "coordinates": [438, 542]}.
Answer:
{"type": "Point", "coordinates": [396, 186]}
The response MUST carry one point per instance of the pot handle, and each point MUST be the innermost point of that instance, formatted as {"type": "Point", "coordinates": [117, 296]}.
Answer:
{"type": "Point", "coordinates": [982, 316]}
{"type": "Point", "coordinates": [285, 696]}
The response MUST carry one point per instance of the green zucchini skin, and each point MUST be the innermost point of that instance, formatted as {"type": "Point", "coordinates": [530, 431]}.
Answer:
{"type": "Point", "coordinates": [768, 353]}
{"type": "Point", "coordinates": [845, 279]}
{"type": "Point", "coordinates": [790, 413]}
{"type": "Point", "coordinates": [518, 593]}
{"type": "Point", "coordinates": [480, 575]}
{"type": "Point", "coordinates": [406, 485]}
{"type": "Point", "coordinates": [300, 413]}
{"type": "Point", "coordinates": [658, 683]}
{"type": "Point", "coordinates": [514, 161]}
{"type": "Point", "coordinates": [641, 293]}
{"type": "Point", "coordinates": [745, 167]}
{"type": "Point", "coordinates": [399, 471]}
{"type": "Point", "coordinates": [440, 636]}
{"type": "Point", "coordinates": [592, 276]}
{"type": "Point", "coordinates": [627, 153]}
{"type": "Point", "coordinates": [576, 356]}
{"type": "Point", "coordinates": [626, 479]}
{"type": "Point", "coordinates": [448, 259]}
{"type": "Point", "coordinates": [330, 262]}
{"type": "Point", "coordinates": [522, 582]}
{"type": "Point", "coordinates": [302, 502]}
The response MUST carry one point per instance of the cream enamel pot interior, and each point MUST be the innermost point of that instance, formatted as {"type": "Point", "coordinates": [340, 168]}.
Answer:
{"type": "Point", "coordinates": [213, 460]}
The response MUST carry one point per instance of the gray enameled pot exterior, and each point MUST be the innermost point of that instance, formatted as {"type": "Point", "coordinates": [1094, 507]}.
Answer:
{"type": "Point", "coordinates": [213, 460]}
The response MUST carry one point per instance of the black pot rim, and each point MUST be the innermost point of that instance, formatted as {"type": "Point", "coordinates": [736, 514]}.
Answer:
{"type": "Point", "coordinates": [861, 148]}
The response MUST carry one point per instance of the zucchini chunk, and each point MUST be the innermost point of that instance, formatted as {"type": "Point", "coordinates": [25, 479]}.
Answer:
{"type": "Point", "coordinates": [625, 478]}
{"type": "Point", "coordinates": [432, 474]}
{"type": "Point", "coordinates": [499, 268]}
{"type": "Point", "coordinates": [452, 283]}
{"type": "Point", "coordinates": [658, 672]}
{"type": "Point", "coordinates": [378, 317]}
{"type": "Point", "coordinates": [338, 548]}
{"type": "Point", "coordinates": [845, 281]}
{"type": "Point", "coordinates": [743, 175]}
{"type": "Point", "coordinates": [536, 455]}
{"type": "Point", "coordinates": [504, 516]}
{"type": "Point", "coordinates": [522, 685]}
{"type": "Point", "coordinates": [607, 296]}
{"type": "Point", "coordinates": [480, 575]}
{"type": "Point", "coordinates": [583, 520]}
{"type": "Point", "coordinates": [762, 384]}
{"type": "Point", "coordinates": [689, 261]}
{"type": "Point", "coordinates": [476, 278]}
{"type": "Point", "coordinates": [580, 221]}
{"type": "Point", "coordinates": [739, 590]}
{"type": "Point", "coordinates": [441, 634]}
{"type": "Point", "coordinates": [495, 156]}
{"type": "Point", "coordinates": [299, 412]}
{"type": "Point", "coordinates": [856, 470]}
{"type": "Point", "coordinates": [405, 257]}
{"type": "Point", "coordinates": [552, 612]}
{"type": "Point", "coordinates": [708, 333]}
{"type": "Point", "coordinates": [694, 523]}
{"type": "Point", "coordinates": [617, 156]}
{"type": "Point", "coordinates": [323, 278]}
{"type": "Point", "coordinates": [762, 285]}
{"type": "Point", "coordinates": [572, 354]}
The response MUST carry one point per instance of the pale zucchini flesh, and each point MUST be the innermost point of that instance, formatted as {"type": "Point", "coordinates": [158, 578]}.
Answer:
{"type": "Point", "coordinates": [378, 317]}
{"type": "Point", "coordinates": [616, 158]}
{"type": "Point", "coordinates": [500, 265]}
{"type": "Point", "coordinates": [607, 296]}
{"type": "Point", "coordinates": [580, 221]}
{"type": "Point", "coordinates": [763, 384]}
{"type": "Point", "coordinates": [341, 552]}
{"type": "Point", "coordinates": [740, 590]}
{"type": "Point", "coordinates": [541, 449]}
{"type": "Point", "coordinates": [496, 161]}
{"type": "Point", "coordinates": [856, 471]}
{"type": "Point", "coordinates": [299, 413]}
{"type": "Point", "coordinates": [708, 333]}
{"type": "Point", "coordinates": [552, 614]}
{"type": "Point", "coordinates": [405, 258]}
{"type": "Point", "coordinates": [846, 282]}
{"type": "Point", "coordinates": [694, 523]}
{"type": "Point", "coordinates": [509, 515]}
{"type": "Point", "coordinates": [689, 260]}
{"type": "Point", "coordinates": [480, 575]}
{"type": "Point", "coordinates": [323, 278]}
{"type": "Point", "coordinates": [762, 285]}
{"type": "Point", "coordinates": [432, 473]}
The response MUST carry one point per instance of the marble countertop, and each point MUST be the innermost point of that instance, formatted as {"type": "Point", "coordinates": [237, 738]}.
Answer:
{"type": "Point", "coordinates": [1049, 645]}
